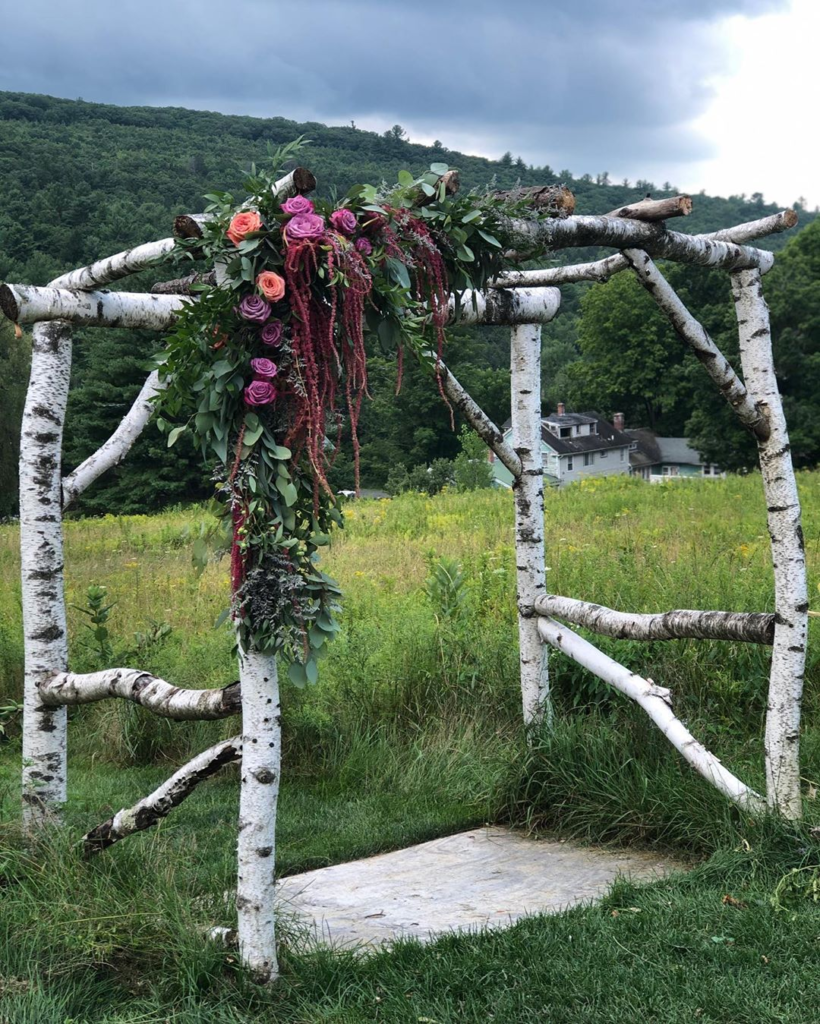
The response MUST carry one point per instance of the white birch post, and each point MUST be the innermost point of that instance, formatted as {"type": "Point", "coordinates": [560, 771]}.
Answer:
{"type": "Point", "coordinates": [782, 740]}
{"type": "Point", "coordinates": [528, 488]}
{"type": "Point", "coordinates": [41, 555]}
{"type": "Point", "coordinates": [258, 798]}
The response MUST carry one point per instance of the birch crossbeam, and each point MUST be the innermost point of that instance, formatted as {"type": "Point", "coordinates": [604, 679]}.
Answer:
{"type": "Point", "coordinates": [534, 237]}
{"type": "Point", "coordinates": [157, 805]}
{"type": "Point", "coordinates": [602, 270]}
{"type": "Point", "coordinates": [26, 304]}
{"type": "Point", "coordinates": [142, 688]}
{"type": "Point", "coordinates": [656, 701]}
{"type": "Point", "coordinates": [681, 624]}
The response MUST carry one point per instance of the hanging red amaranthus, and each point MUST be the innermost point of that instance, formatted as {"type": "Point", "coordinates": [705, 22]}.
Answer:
{"type": "Point", "coordinates": [327, 341]}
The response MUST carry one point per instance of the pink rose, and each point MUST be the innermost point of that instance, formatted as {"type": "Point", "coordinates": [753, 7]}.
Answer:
{"type": "Point", "coordinates": [271, 334]}
{"type": "Point", "coordinates": [271, 285]}
{"type": "Point", "coordinates": [260, 392]}
{"type": "Point", "coordinates": [265, 369]}
{"type": "Point", "coordinates": [305, 225]}
{"type": "Point", "coordinates": [296, 205]}
{"type": "Point", "coordinates": [344, 221]}
{"type": "Point", "coordinates": [363, 246]}
{"type": "Point", "coordinates": [242, 225]}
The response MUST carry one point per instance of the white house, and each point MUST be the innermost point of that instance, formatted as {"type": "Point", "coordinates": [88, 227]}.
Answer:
{"type": "Point", "coordinates": [579, 445]}
{"type": "Point", "coordinates": [574, 446]}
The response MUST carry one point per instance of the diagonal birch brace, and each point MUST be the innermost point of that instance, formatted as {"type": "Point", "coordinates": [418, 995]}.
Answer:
{"type": "Point", "coordinates": [157, 805]}
{"type": "Point", "coordinates": [696, 337]}
{"type": "Point", "coordinates": [481, 423]}
{"type": "Point", "coordinates": [142, 688]}
{"type": "Point", "coordinates": [113, 451]}
{"type": "Point", "coordinates": [657, 703]}
{"type": "Point", "coordinates": [747, 627]}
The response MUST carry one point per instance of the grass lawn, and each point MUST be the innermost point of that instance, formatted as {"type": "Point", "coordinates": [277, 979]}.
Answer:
{"type": "Point", "coordinates": [412, 733]}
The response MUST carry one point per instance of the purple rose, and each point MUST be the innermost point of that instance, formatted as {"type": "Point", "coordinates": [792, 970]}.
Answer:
{"type": "Point", "coordinates": [254, 309]}
{"type": "Point", "coordinates": [265, 369]}
{"type": "Point", "coordinates": [363, 246]}
{"type": "Point", "coordinates": [305, 225]}
{"type": "Point", "coordinates": [344, 221]}
{"type": "Point", "coordinates": [271, 334]}
{"type": "Point", "coordinates": [260, 392]}
{"type": "Point", "coordinates": [296, 205]}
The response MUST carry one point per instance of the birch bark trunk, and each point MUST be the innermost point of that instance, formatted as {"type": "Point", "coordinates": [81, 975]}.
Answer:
{"type": "Point", "coordinates": [258, 798]}
{"type": "Point", "coordinates": [528, 488]}
{"type": "Point", "coordinates": [41, 554]}
{"type": "Point", "coordinates": [782, 739]}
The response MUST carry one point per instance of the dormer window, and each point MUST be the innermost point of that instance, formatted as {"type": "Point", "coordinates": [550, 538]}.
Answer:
{"type": "Point", "coordinates": [566, 432]}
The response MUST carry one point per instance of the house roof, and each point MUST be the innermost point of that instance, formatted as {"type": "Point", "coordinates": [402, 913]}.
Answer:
{"type": "Point", "coordinates": [646, 451]}
{"type": "Point", "coordinates": [651, 450]}
{"type": "Point", "coordinates": [677, 449]}
{"type": "Point", "coordinates": [569, 419]}
{"type": "Point", "coordinates": [606, 438]}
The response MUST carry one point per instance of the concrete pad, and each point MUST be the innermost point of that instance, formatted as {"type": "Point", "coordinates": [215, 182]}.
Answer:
{"type": "Point", "coordinates": [488, 877]}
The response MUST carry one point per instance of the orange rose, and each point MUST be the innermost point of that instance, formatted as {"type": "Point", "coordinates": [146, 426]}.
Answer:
{"type": "Point", "coordinates": [242, 225]}
{"type": "Point", "coordinates": [271, 285]}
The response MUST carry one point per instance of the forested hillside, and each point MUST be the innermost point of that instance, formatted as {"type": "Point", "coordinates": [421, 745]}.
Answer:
{"type": "Point", "coordinates": [82, 180]}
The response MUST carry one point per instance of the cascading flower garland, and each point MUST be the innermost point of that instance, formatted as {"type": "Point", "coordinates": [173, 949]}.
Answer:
{"type": "Point", "coordinates": [266, 366]}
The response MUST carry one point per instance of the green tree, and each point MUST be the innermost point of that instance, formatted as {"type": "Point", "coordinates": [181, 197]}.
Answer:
{"type": "Point", "coordinates": [472, 470]}
{"type": "Point", "coordinates": [15, 356]}
{"type": "Point", "coordinates": [630, 359]}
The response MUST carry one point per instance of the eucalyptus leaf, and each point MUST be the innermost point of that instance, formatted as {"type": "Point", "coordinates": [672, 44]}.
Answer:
{"type": "Point", "coordinates": [175, 435]}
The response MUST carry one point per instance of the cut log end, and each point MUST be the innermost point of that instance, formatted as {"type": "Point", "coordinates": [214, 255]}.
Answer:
{"type": "Point", "coordinates": [549, 200]}
{"type": "Point", "coordinates": [186, 227]}
{"type": "Point", "coordinates": [304, 181]}
{"type": "Point", "coordinates": [790, 218]}
{"type": "Point", "coordinates": [652, 210]}
{"type": "Point", "coordinates": [8, 303]}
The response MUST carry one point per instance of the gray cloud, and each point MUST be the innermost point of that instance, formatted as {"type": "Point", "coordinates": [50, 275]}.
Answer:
{"type": "Point", "coordinates": [584, 85]}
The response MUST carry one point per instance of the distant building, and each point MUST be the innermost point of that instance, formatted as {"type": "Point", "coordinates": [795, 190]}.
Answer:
{"type": "Point", "coordinates": [667, 458]}
{"type": "Point", "coordinates": [575, 446]}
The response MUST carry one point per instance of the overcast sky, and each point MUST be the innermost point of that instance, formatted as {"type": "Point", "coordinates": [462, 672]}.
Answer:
{"type": "Point", "coordinates": [712, 94]}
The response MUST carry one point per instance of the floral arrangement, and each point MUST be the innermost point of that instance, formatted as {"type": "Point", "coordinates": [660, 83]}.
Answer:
{"type": "Point", "coordinates": [268, 368]}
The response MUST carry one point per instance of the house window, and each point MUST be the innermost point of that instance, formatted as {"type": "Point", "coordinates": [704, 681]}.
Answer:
{"type": "Point", "coordinates": [588, 458]}
{"type": "Point", "coordinates": [604, 454]}
{"type": "Point", "coordinates": [566, 432]}
{"type": "Point", "coordinates": [622, 455]}
{"type": "Point", "coordinates": [569, 464]}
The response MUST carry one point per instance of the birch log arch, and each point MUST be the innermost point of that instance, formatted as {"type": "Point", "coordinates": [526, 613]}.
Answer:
{"type": "Point", "coordinates": [258, 345]}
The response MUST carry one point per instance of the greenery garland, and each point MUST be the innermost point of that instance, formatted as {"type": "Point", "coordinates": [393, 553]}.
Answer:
{"type": "Point", "coordinates": [261, 365]}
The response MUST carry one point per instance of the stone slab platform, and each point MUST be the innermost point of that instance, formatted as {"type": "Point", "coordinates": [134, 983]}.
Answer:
{"type": "Point", "coordinates": [487, 877]}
